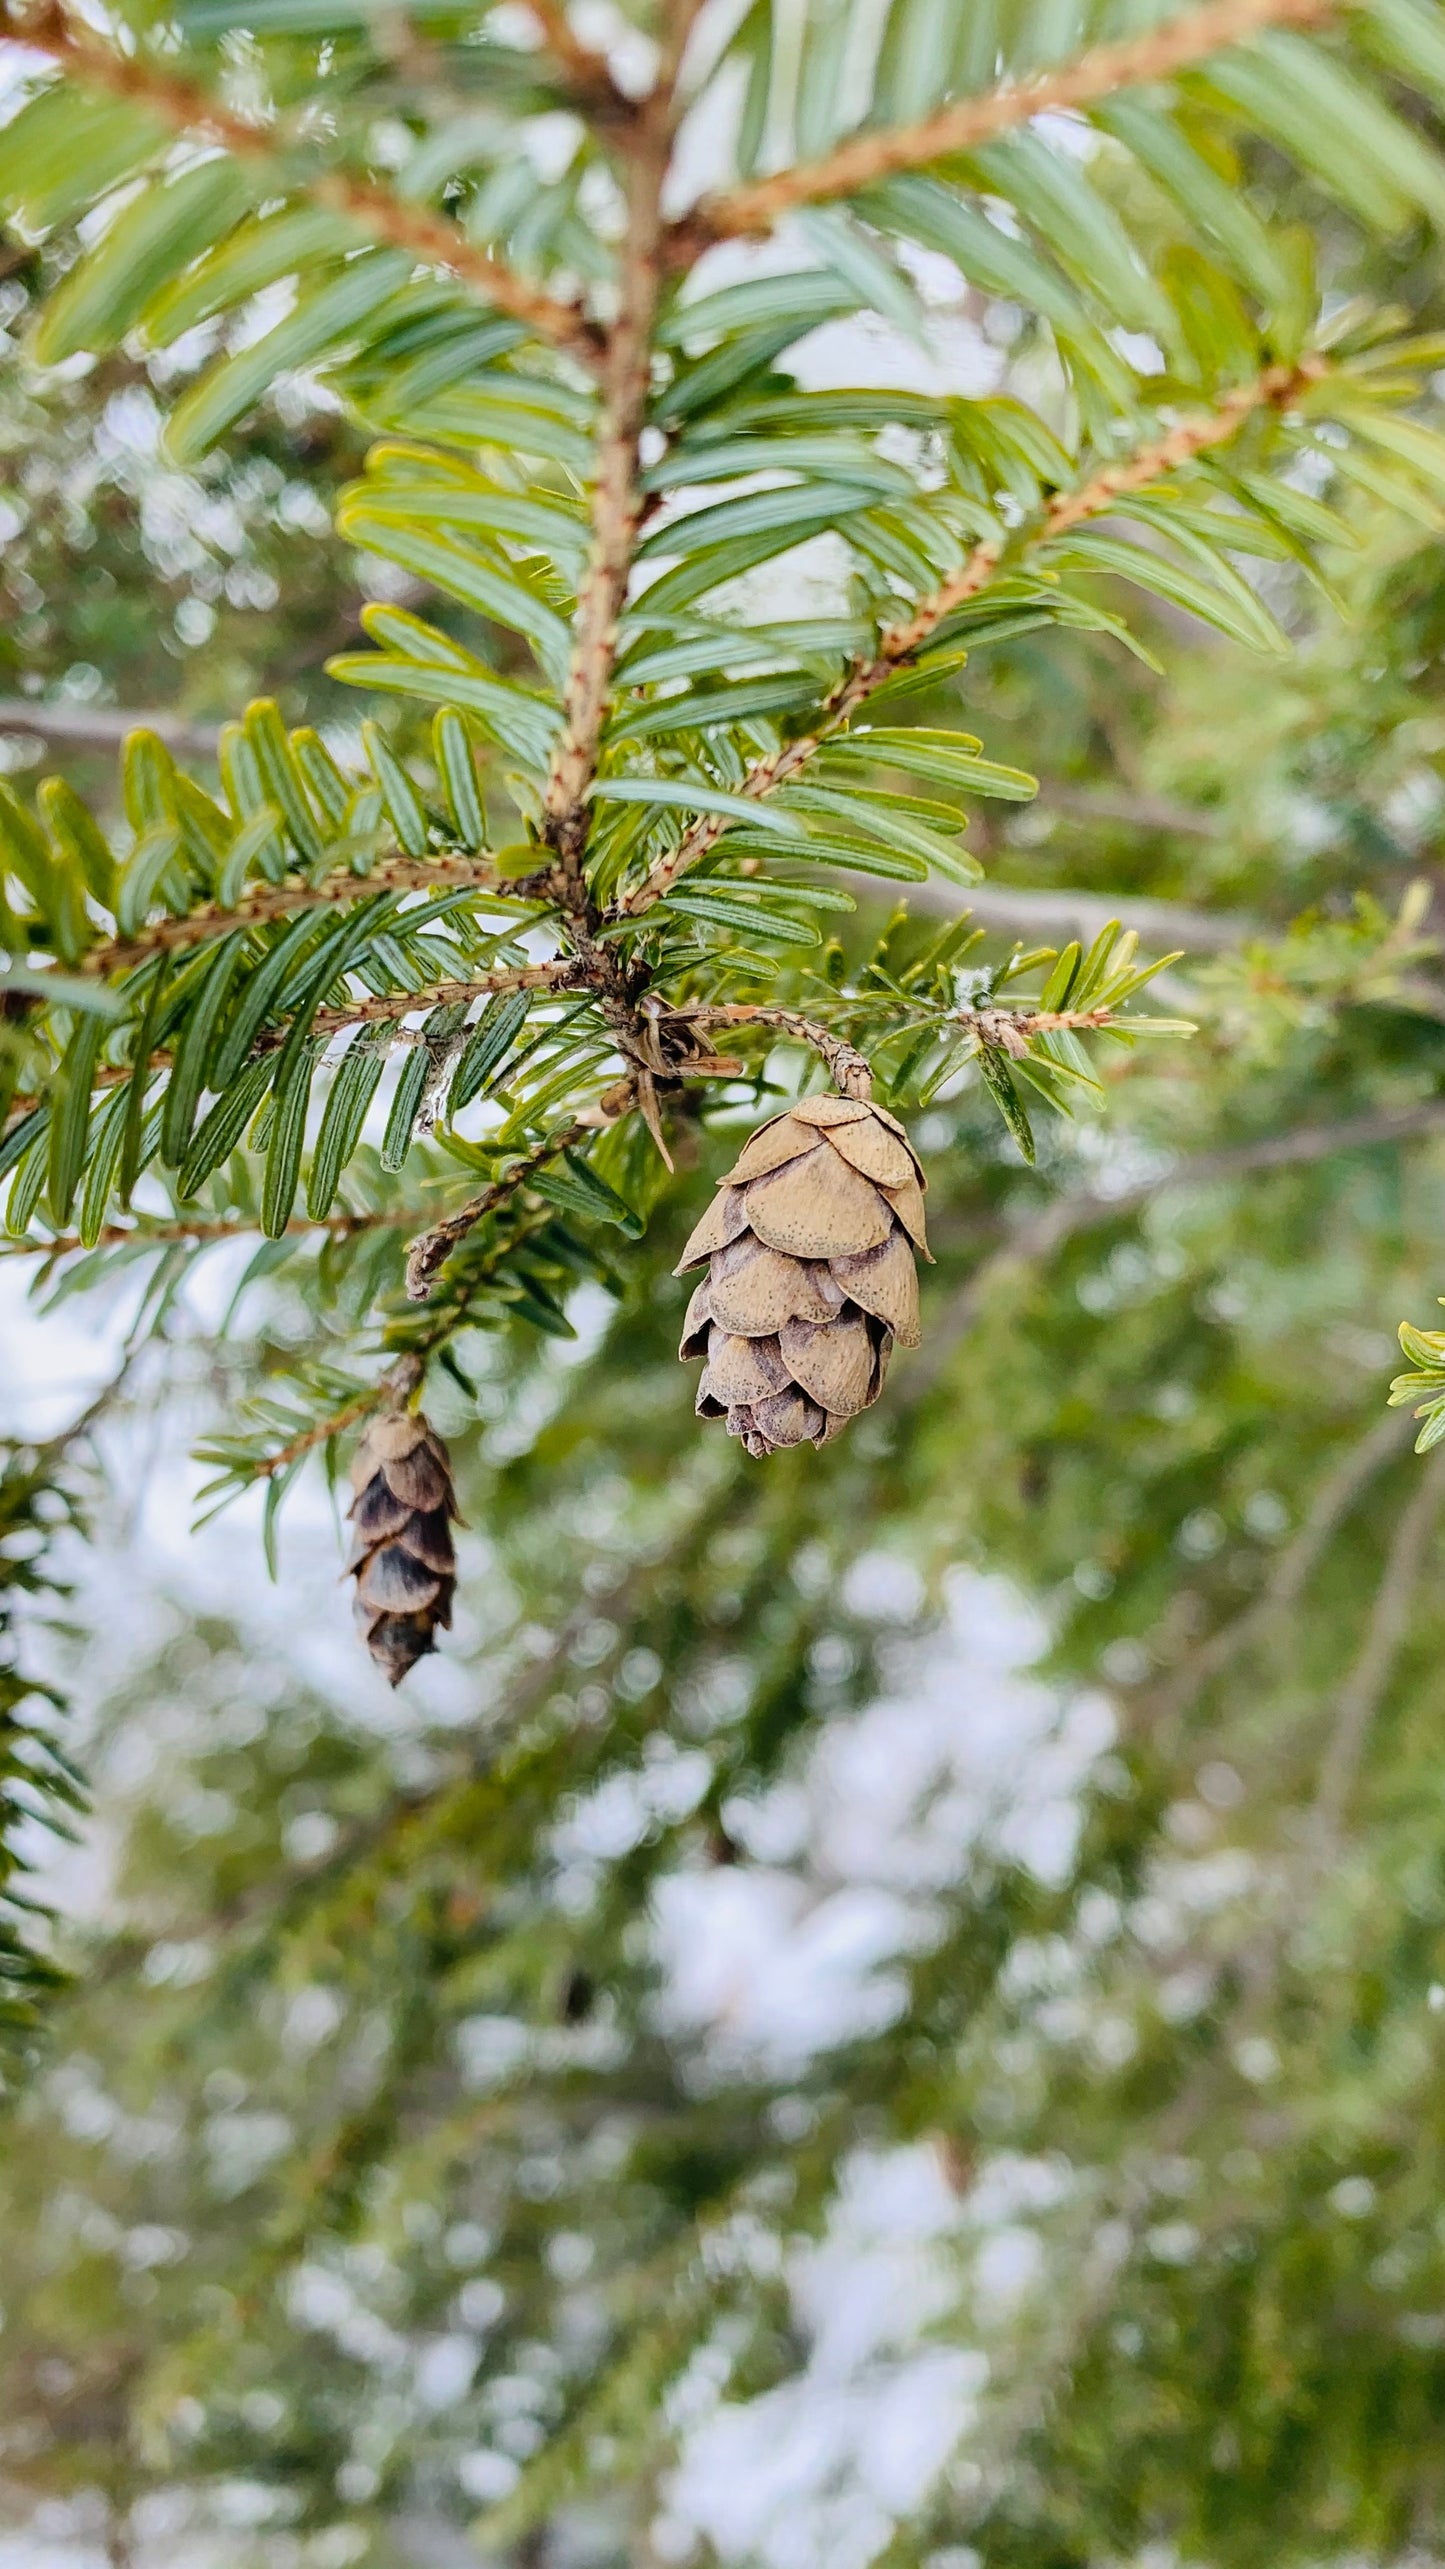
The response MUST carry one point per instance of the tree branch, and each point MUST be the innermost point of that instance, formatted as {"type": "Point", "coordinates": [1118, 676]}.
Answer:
{"type": "Point", "coordinates": [428, 1254]}
{"type": "Point", "coordinates": [850, 1070]}
{"type": "Point", "coordinates": [616, 508]}
{"type": "Point", "coordinates": [1177, 1693]}
{"type": "Point", "coordinates": [562, 975]}
{"type": "Point", "coordinates": [405, 1370]}
{"type": "Point", "coordinates": [1047, 1230]}
{"type": "Point", "coordinates": [432, 239]}
{"type": "Point", "coordinates": [146, 1234]}
{"type": "Point", "coordinates": [104, 726]}
{"type": "Point", "coordinates": [393, 1005]}
{"type": "Point", "coordinates": [616, 513]}
{"type": "Point", "coordinates": [1363, 1691]}
{"type": "Point", "coordinates": [1008, 1030]}
{"type": "Point", "coordinates": [1275, 389]}
{"type": "Point", "coordinates": [966, 123]}
{"type": "Point", "coordinates": [284, 901]}
{"type": "Point", "coordinates": [588, 73]}
{"type": "Point", "coordinates": [109, 727]}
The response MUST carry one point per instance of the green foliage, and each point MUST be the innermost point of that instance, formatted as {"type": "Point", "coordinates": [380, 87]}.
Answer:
{"type": "Point", "coordinates": [39, 1787]}
{"type": "Point", "coordinates": [372, 972]}
{"type": "Point", "coordinates": [675, 804]}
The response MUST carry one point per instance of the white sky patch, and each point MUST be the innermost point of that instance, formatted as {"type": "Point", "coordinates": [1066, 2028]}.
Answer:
{"type": "Point", "coordinates": [777, 1958]}
{"type": "Point", "coordinates": [865, 349]}
{"type": "Point", "coordinates": [817, 2473]}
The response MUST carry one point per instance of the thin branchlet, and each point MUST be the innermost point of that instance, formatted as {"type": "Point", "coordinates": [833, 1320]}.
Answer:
{"type": "Point", "coordinates": [145, 1233]}
{"type": "Point", "coordinates": [428, 1253]}
{"type": "Point", "coordinates": [388, 1008]}
{"type": "Point", "coordinates": [588, 74]}
{"type": "Point", "coordinates": [448, 869]}
{"type": "Point", "coordinates": [616, 513]}
{"type": "Point", "coordinates": [1277, 387]}
{"type": "Point", "coordinates": [966, 123]}
{"type": "Point", "coordinates": [850, 1070]}
{"type": "Point", "coordinates": [403, 1375]}
{"type": "Point", "coordinates": [180, 104]}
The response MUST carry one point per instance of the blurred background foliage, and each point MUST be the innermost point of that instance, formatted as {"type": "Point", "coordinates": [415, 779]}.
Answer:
{"type": "Point", "coordinates": [888, 2008]}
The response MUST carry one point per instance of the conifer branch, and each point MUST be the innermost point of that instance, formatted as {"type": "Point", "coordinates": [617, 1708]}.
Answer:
{"type": "Point", "coordinates": [285, 901]}
{"type": "Point", "coordinates": [616, 512]}
{"type": "Point", "coordinates": [374, 1397]}
{"type": "Point", "coordinates": [966, 123]}
{"type": "Point", "coordinates": [616, 509]}
{"type": "Point", "coordinates": [389, 1008]}
{"type": "Point", "coordinates": [403, 1375]}
{"type": "Point", "coordinates": [145, 1234]}
{"type": "Point", "coordinates": [432, 239]}
{"type": "Point", "coordinates": [428, 1254]}
{"type": "Point", "coordinates": [1010, 1030]}
{"type": "Point", "coordinates": [431, 1249]}
{"type": "Point", "coordinates": [392, 1005]}
{"type": "Point", "coordinates": [588, 73]}
{"type": "Point", "coordinates": [1275, 388]}
{"type": "Point", "coordinates": [850, 1070]}
{"type": "Point", "coordinates": [1084, 1208]}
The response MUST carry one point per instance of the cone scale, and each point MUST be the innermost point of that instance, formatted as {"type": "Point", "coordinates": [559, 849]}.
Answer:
{"type": "Point", "coordinates": [809, 1248]}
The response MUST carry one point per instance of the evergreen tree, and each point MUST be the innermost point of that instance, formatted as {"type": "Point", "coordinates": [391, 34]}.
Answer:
{"type": "Point", "coordinates": [381, 2169]}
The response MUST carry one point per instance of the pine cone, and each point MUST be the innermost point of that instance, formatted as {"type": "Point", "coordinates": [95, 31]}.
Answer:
{"type": "Point", "coordinates": [809, 1244]}
{"type": "Point", "coordinates": [403, 1560]}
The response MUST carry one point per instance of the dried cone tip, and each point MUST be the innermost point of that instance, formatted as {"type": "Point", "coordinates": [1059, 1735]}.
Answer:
{"type": "Point", "coordinates": [810, 1273]}
{"type": "Point", "coordinates": [403, 1560]}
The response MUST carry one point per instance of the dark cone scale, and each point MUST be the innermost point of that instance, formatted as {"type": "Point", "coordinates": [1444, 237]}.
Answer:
{"type": "Point", "coordinates": [402, 1559]}
{"type": "Point", "coordinates": [810, 1276]}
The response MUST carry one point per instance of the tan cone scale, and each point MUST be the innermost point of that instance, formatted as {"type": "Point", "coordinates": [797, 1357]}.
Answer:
{"type": "Point", "coordinates": [403, 1560]}
{"type": "Point", "coordinates": [810, 1276]}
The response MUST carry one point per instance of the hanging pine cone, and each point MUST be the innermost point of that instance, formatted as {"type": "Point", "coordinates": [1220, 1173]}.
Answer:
{"type": "Point", "coordinates": [809, 1244]}
{"type": "Point", "coordinates": [403, 1561]}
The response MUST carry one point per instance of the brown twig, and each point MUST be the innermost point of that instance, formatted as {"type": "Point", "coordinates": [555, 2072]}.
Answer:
{"type": "Point", "coordinates": [850, 1070]}
{"type": "Point", "coordinates": [1275, 388]}
{"type": "Point", "coordinates": [966, 123]}
{"type": "Point", "coordinates": [401, 1377]}
{"type": "Point", "coordinates": [428, 1254]}
{"type": "Point", "coordinates": [287, 900]}
{"type": "Point", "coordinates": [375, 1397]}
{"type": "Point", "coordinates": [432, 239]}
{"type": "Point", "coordinates": [560, 976]}
{"type": "Point", "coordinates": [144, 1234]}
{"type": "Point", "coordinates": [1009, 1030]}
{"type": "Point", "coordinates": [616, 508]}
{"type": "Point", "coordinates": [588, 73]}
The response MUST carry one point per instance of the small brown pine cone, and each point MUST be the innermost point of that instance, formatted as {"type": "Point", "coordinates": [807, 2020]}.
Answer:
{"type": "Point", "coordinates": [402, 1560]}
{"type": "Point", "coordinates": [810, 1276]}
